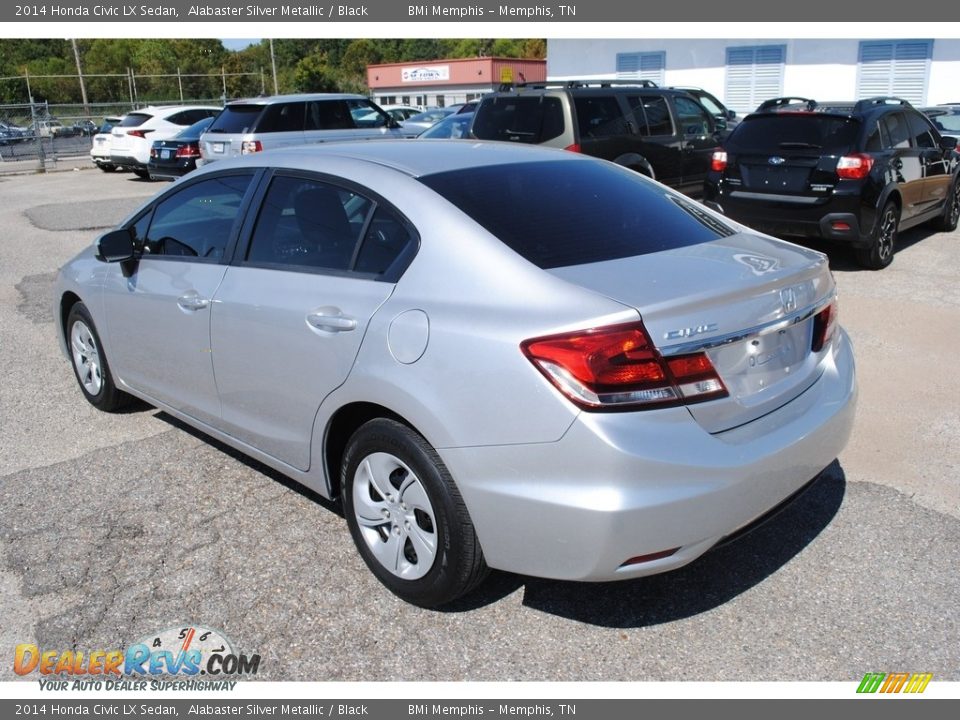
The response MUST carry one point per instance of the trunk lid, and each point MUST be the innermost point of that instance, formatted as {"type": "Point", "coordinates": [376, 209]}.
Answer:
{"type": "Point", "coordinates": [746, 300]}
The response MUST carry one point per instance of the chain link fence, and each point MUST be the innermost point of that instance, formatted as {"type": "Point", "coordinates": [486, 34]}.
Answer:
{"type": "Point", "coordinates": [35, 136]}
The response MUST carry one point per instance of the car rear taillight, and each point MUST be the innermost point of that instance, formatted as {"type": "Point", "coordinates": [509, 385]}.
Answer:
{"type": "Point", "coordinates": [154, 153]}
{"type": "Point", "coordinates": [854, 167]}
{"type": "Point", "coordinates": [824, 323]}
{"type": "Point", "coordinates": [575, 147]}
{"type": "Point", "coordinates": [248, 147]}
{"type": "Point", "coordinates": [138, 133]}
{"type": "Point", "coordinates": [190, 150]}
{"type": "Point", "coordinates": [618, 367]}
{"type": "Point", "coordinates": [718, 163]}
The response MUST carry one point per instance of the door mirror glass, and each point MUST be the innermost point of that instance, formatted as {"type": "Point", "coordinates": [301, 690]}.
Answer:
{"type": "Point", "coordinates": [115, 246]}
{"type": "Point", "coordinates": [731, 114]}
{"type": "Point", "coordinates": [948, 142]}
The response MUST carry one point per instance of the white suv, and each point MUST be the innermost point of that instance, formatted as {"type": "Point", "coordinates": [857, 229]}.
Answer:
{"type": "Point", "coordinates": [134, 135]}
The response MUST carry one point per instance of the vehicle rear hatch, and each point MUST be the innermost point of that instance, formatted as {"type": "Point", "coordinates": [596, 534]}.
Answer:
{"type": "Point", "coordinates": [224, 137]}
{"type": "Point", "coordinates": [788, 153]}
{"type": "Point", "coordinates": [530, 119]}
{"type": "Point", "coordinates": [122, 132]}
{"type": "Point", "coordinates": [746, 300]}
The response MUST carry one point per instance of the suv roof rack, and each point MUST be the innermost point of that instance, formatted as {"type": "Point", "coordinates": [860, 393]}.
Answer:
{"type": "Point", "coordinates": [775, 103]}
{"type": "Point", "coordinates": [862, 105]}
{"type": "Point", "coordinates": [572, 84]}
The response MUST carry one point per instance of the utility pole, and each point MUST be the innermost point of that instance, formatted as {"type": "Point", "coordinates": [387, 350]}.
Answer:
{"type": "Point", "coordinates": [273, 62]}
{"type": "Point", "coordinates": [83, 87]}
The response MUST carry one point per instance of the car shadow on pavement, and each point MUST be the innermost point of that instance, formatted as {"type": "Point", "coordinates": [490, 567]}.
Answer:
{"type": "Point", "coordinates": [720, 575]}
{"type": "Point", "coordinates": [710, 581]}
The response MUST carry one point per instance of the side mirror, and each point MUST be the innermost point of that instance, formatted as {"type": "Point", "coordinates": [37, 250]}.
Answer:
{"type": "Point", "coordinates": [720, 123]}
{"type": "Point", "coordinates": [116, 246]}
{"type": "Point", "coordinates": [731, 114]}
{"type": "Point", "coordinates": [948, 142]}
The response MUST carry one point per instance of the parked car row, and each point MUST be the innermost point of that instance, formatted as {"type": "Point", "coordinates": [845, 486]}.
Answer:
{"type": "Point", "coordinates": [856, 172]}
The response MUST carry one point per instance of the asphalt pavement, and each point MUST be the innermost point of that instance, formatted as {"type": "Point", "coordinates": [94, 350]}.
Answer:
{"type": "Point", "coordinates": [116, 526]}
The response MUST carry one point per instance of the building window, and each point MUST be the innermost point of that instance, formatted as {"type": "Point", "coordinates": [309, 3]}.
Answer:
{"type": "Point", "coordinates": [405, 100]}
{"type": "Point", "coordinates": [754, 74]}
{"type": "Point", "coordinates": [641, 66]}
{"type": "Point", "coordinates": [894, 67]}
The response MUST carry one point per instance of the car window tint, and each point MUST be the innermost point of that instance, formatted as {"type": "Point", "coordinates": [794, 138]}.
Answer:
{"type": "Point", "coordinates": [386, 238]}
{"type": "Point", "coordinates": [329, 115]}
{"type": "Point", "coordinates": [897, 130]}
{"type": "Point", "coordinates": [180, 118]}
{"type": "Point", "coordinates": [921, 131]}
{"type": "Point", "coordinates": [196, 222]}
{"type": "Point", "coordinates": [282, 117]}
{"type": "Point", "coordinates": [365, 114]}
{"type": "Point", "coordinates": [534, 119]}
{"type": "Point", "coordinates": [599, 116]}
{"type": "Point", "coordinates": [237, 119]}
{"type": "Point", "coordinates": [134, 119]}
{"type": "Point", "coordinates": [563, 213]}
{"type": "Point", "coordinates": [657, 114]}
{"type": "Point", "coordinates": [308, 224]}
{"type": "Point", "coordinates": [874, 141]}
{"type": "Point", "coordinates": [693, 118]}
{"type": "Point", "coordinates": [773, 133]}
{"type": "Point", "coordinates": [710, 104]}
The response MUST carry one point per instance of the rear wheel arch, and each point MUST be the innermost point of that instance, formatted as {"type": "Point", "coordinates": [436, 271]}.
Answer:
{"type": "Point", "coordinates": [341, 427]}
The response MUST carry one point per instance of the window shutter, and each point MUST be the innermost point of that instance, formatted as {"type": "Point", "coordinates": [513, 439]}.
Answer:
{"type": "Point", "coordinates": [897, 68]}
{"type": "Point", "coordinates": [754, 74]}
{"type": "Point", "coordinates": [642, 66]}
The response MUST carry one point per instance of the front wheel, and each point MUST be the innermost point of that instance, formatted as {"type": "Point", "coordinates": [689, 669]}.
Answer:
{"type": "Point", "coordinates": [879, 253]}
{"type": "Point", "coordinates": [407, 517]}
{"type": "Point", "coordinates": [951, 211]}
{"type": "Point", "coordinates": [90, 362]}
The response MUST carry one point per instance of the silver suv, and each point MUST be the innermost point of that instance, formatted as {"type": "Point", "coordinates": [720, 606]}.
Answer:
{"type": "Point", "coordinates": [251, 126]}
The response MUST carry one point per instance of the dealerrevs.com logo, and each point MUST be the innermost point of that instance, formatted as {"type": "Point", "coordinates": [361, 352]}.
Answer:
{"type": "Point", "coordinates": [195, 657]}
{"type": "Point", "coordinates": [910, 683]}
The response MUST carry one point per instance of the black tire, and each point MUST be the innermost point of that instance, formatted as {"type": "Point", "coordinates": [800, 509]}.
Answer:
{"type": "Point", "coordinates": [95, 380]}
{"type": "Point", "coordinates": [108, 168]}
{"type": "Point", "coordinates": [143, 174]}
{"type": "Point", "coordinates": [457, 565]}
{"type": "Point", "coordinates": [951, 211]}
{"type": "Point", "coordinates": [884, 242]}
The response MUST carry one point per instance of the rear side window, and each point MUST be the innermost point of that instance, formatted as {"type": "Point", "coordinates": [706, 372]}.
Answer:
{"type": "Point", "coordinates": [897, 130]}
{"type": "Point", "coordinates": [599, 116]}
{"type": "Point", "coordinates": [651, 114]}
{"type": "Point", "coordinates": [802, 131]}
{"type": "Point", "coordinates": [282, 117]}
{"type": "Point", "coordinates": [236, 119]}
{"type": "Point", "coordinates": [329, 115]}
{"type": "Point", "coordinates": [533, 119]}
{"type": "Point", "coordinates": [562, 213]}
{"type": "Point", "coordinates": [135, 119]}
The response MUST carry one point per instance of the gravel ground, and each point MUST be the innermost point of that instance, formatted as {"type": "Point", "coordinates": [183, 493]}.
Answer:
{"type": "Point", "coordinates": [114, 526]}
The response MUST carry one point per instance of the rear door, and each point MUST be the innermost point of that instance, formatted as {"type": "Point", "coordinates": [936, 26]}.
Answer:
{"type": "Point", "coordinates": [906, 166]}
{"type": "Point", "coordinates": [935, 162]}
{"type": "Point", "coordinates": [292, 311]}
{"type": "Point", "coordinates": [659, 143]}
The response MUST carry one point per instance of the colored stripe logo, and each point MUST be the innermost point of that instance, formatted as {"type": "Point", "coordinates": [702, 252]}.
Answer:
{"type": "Point", "coordinates": [894, 682]}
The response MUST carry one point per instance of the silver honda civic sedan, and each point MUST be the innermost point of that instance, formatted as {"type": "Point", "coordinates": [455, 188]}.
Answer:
{"type": "Point", "coordinates": [495, 356]}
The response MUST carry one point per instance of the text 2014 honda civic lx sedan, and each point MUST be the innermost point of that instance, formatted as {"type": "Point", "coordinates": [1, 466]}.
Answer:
{"type": "Point", "coordinates": [497, 356]}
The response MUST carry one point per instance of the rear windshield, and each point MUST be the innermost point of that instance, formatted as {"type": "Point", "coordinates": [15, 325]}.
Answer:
{"type": "Point", "coordinates": [802, 131]}
{"type": "Point", "coordinates": [134, 119]}
{"type": "Point", "coordinates": [562, 213]}
{"type": "Point", "coordinates": [533, 119]}
{"type": "Point", "coordinates": [236, 119]}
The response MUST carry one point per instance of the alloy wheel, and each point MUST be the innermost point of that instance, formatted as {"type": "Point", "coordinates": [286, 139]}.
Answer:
{"type": "Point", "coordinates": [86, 357]}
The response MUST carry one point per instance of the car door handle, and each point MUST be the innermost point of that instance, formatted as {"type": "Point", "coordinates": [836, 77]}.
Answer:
{"type": "Point", "coordinates": [192, 301]}
{"type": "Point", "coordinates": [331, 322]}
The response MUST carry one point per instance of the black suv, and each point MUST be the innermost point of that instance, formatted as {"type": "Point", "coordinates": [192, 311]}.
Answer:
{"type": "Point", "coordinates": [663, 133]}
{"type": "Point", "coordinates": [855, 172]}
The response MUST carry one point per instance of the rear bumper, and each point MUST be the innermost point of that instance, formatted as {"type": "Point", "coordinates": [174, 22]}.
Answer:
{"type": "Point", "coordinates": [838, 217]}
{"type": "Point", "coordinates": [127, 161]}
{"type": "Point", "coordinates": [622, 485]}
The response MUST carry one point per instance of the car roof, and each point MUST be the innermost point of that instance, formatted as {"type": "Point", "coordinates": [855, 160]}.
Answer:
{"type": "Point", "coordinates": [406, 156]}
{"type": "Point", "coordinates": [298, 97]}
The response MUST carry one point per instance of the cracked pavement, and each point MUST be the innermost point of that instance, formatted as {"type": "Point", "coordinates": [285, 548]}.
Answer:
{"type": "Point", "coordinates": [115, 526]}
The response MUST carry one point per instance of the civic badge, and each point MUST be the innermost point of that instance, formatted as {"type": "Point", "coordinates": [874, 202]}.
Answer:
{"type": "Point", "coordinates": [776, 160]}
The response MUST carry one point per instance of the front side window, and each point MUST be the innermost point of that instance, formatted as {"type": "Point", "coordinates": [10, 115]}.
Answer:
{"type": "Point", "coordinates": [921, 131]}
{"type": "Point", "coordinates": [692, 117]}
{"type": "Point", "coordinates": [197, 222]}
